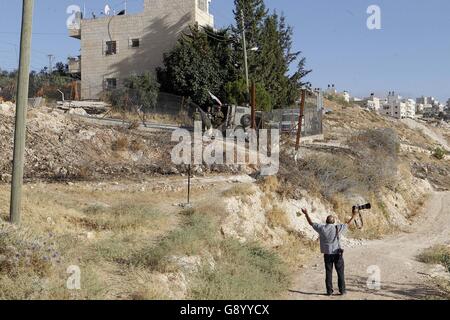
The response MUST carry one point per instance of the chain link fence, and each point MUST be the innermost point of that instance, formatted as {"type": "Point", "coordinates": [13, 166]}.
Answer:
{"type": "Point", "coordinates": [287, 119]}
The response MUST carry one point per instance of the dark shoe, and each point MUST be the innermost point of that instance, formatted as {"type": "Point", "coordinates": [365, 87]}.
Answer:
{"type": "Point", "coordinates": [343, 293]}
{"type": "Point", "coordinates": [330, 293]}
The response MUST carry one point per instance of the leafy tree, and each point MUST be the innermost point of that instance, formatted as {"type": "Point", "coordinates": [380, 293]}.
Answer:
{"type": "Point", "coordinates": [236, 93]}
{"type": "Point", "coordinates": [208, 60]}
{"type": "Point", "coordinates": [142, 90]}
{"type": "Point", "coordinates": [253, 12]}
{"type": "Point", "coordinates": [42, 83]}
{"type": "Point", "coordinates": [8, 85]}
{"type": "Point", "coordinates": [61, 69]}
{"type": "Point", "coordinates": [139, 93]}
{"type": "Point", "coordinates": [194, 67]}
{"type": "Point", "coordinates": [270, 65]}
{"type": "Point", "coordinates": [263, 98]}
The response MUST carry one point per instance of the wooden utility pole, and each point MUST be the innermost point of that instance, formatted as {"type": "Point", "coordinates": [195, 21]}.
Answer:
{"type": "Point", "coordinates": [300, 119]}
{"type": "Point", "coordinates": [21, 111]}
{"type": "Point", "coordinates": [189, 184]}
{"type": "Point", "coordinates": [245, 51]}
{"type": "Point", "coordinates": [253, 105]}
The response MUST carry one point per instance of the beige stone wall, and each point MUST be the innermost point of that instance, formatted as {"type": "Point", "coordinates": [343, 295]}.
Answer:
{"type": "Point", "coordinates": [157, 28]}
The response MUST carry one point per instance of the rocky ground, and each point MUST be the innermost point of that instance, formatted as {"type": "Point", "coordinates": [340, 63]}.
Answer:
{"type": "Point", "coordinates": [62, 147]}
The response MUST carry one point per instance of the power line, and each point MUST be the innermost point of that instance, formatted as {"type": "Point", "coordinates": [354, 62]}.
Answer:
{"type": "Point", "coordinates": [35, 33]}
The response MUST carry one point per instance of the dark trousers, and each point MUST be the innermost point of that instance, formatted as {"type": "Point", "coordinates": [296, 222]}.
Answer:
{"type": "Point", "coordinates": [338, 261]}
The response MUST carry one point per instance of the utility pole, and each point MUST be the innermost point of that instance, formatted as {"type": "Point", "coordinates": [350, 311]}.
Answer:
{"type": "Point", "coordinates": [21, 111]}
{"type": "Point", "coordinates": [189, 184]}
{"type": "Point", "coordinates": [253, 105]}
{"type": "Point", "coordinates": [300, 119]}
{"type": "Point", "coordinates": [50, 63]}
{"type": "Point", "coordinates": [125, 5]}
{"type": "Point", "coordinates": [245, 51]}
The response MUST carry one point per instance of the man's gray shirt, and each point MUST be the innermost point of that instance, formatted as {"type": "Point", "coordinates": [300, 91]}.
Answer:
{"type": "Point", "coordinates": [329, 243]}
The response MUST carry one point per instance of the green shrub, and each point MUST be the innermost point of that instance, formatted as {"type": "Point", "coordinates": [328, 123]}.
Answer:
{"type": "Point", "coordinates": [118, 218]}
{"type": "Point", "coordinates": [243, 271]}
{"type": "Point", "coordinates": [25, 262]}
{"type": "Point", "coordinates": [439, 254]}
{"type": "Point", "coordinates": [439, 153]}
{"type": "Point", "coordinates": [195, 235]}
{"type": "Point", "coordinates": [139, 91]}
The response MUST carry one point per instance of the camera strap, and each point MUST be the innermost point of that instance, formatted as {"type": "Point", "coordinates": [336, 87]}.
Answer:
{"type": "Point", "coordinates": [337, 235]}
{"type": "Point", "coordinates": [340, 251]}
{"type": "Point", "coordinates": [362, 221]}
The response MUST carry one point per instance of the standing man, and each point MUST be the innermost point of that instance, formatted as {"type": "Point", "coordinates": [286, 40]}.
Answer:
{"type": "Point", "coordinates": [331, 248]}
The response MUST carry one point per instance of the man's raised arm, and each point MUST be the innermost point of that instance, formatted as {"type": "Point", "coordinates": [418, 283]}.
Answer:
{"type": "Point", "coordinates": [308, 218]}
{"type": "Point", "coordinates": [354, 213]}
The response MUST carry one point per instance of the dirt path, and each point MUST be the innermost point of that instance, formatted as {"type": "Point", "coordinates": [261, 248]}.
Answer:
{"type": "Point", "coordinates": [402, 277]}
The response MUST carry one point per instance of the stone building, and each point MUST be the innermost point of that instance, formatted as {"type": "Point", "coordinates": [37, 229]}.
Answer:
{"type": "Point", "coordinates": [372, 103]}
{"type": "Point", "coordinates": [113, 47]}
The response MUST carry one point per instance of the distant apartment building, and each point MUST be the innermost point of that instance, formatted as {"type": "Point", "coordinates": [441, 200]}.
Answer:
{"type": "Point", "coordinates": [113, 47]}
{"type": "Point", "coordinates": [331, 89]}
{"type": "Point", "coordinates": [422, 100]}
{"type": "Point", "coordinates": [430, 105]}
{"type": "Point", "coordinates": [410, 108]}
{"type": "Point", "coordinates": [372, 103]}
{"type": "Point", "coordinates": [398, 108]}
{"type": "Point", "coordinates": [346, 96]}
{"type": "Point", "coordinates": [420, 108]}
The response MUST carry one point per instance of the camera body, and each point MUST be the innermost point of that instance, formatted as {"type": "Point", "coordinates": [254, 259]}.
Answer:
{"type": "Point", "coordinates": [363, 207]}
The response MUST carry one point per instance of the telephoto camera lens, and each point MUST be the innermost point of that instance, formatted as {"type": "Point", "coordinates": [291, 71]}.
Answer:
{"type": "Point", "coordinates": [363, 207]}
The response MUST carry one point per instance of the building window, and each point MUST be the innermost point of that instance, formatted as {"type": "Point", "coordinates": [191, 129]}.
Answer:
{"type": "Point", "coordinates": [111, 83]}
{"type": "Point", "coordinates": [203, 5]}
{"type": "Point", "coordinates": [111, 48]}
{"type": "Point", "coordinates": [135, 43]}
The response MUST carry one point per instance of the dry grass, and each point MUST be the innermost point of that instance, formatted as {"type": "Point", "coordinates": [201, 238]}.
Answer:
{"type": "Point", "coordinates": [297, 251]}
{"type": "Point", "coordinates": [367, 170]}
{"type": "Point", "coordinates": [137, 145]}
{"type": "Point", "coordinates": [269, 184]}
{"type": "Point", "coordinates": [68, 226]}
{"type": "Point", "coordinates": [135, 124]}
{"type": "Point", "coordinates": [121, 144]}
{"type": "Point", "coordinates": [344, 121]}
{"type": "Point", "coordinates": [259, 274]}
{"type": "Point", "coordinates": [134, 117]}
{"type": "Point", "coordinates": [121, 240]}
{"type": "Point", "coordinates": [240, 190]}
{"type": "Point", "coordinates": [277, 217]}
{"type": "Point", "coordinates": [439, 254]}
